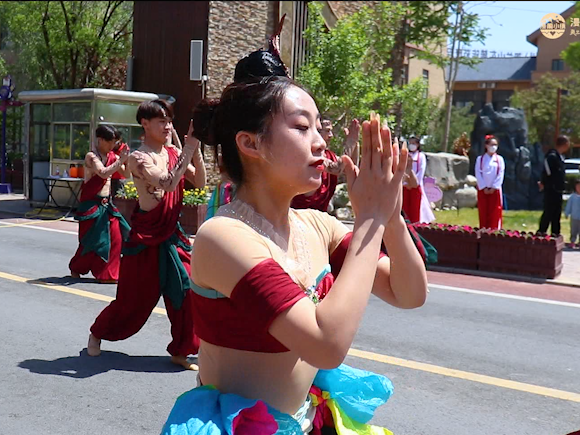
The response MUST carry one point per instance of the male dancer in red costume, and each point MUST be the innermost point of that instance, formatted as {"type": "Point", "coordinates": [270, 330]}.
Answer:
{"type": "Point", "coordinates": [156, 257]}
{"type": "Point", "coordinates": [101, 226]}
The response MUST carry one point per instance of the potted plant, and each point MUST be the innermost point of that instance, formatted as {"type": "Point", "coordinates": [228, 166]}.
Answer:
{"type": "Point", "coordinates": [194, 209]}
{"type": "Point", "coordinates": [126, 200]}
{"type": "Point", "coordinates": [192, 214]}
{"type": "Point", "coordinates": [456, 245]}
{"type": "Point", "coordinates": [521, 253]}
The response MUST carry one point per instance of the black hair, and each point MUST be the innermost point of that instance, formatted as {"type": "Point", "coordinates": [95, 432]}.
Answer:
{"type": "Point", "coordinates": [244, 106]}
{"type": "Point", "coordinates": [107, 132]}
{"type": "Point", "coordinates": [257, 65]}
{"type": "Point", "coordinates": [154, 109]}
{"type": "Point", "coordinates": [562, 140]}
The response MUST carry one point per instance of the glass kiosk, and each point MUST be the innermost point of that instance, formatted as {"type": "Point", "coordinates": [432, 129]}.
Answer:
{"type": "Point", "coordinates": [59, 129]}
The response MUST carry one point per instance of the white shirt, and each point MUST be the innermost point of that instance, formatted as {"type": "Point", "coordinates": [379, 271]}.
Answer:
{"type": "Point", "coordinates": [489, 171]}
{"type": "Point", "coordinates": [419, 166]}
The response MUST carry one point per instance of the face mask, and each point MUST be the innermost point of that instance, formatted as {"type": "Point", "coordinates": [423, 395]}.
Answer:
{"type": "Point", "coordinates": [492, 149]}
{"type": "Point", "coordinates": [412, 148]}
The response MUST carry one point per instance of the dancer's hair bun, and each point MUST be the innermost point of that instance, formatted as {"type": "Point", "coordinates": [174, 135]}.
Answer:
{"type": "Point", "coordinates": [257, 65]}
{"type": "Point", "coordinates": [203, 121]}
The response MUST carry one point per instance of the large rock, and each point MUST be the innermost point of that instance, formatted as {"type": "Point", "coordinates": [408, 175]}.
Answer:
{"type": "Point", "coordinates": [466, 197]}
{"type": "Point", "coordinates": [471, 181]}
{"type": "Point", "coordinates": [450, 172]}
{"type": "Point", "coordinates": [523, 162]}
{"type": "Point", "coordinates": [340, 198]}
{"type": "Point", "coordinates": [344, 214]}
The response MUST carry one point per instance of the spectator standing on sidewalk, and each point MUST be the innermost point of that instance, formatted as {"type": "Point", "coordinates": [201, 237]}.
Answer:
{"type": "Point", "coordinates": [573, 211]}
{"type": "Point", "coordinates": [553, 182]}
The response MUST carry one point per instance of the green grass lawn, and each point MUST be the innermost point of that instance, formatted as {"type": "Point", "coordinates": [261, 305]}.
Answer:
{"type": "Point", "coordinates": [520, 220]}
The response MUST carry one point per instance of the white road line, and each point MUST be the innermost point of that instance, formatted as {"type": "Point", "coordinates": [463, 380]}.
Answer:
{"type": "Point", "coordinates": [505, 296]}
{"type": "Point", "coordinates": [12, 225]}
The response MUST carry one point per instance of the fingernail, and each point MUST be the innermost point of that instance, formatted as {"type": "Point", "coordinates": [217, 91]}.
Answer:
{"type": "Point", "coordinates": [385, 124]}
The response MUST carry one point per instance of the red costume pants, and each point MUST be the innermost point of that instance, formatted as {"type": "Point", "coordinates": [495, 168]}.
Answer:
{"type": "Point", "coordinates": [91, 262]}
{"type": "Point", "coordinates": [137, 294]}
{"type": "Point", "coordinates": [412, 203]}
{"type": "Point", "coordinates": [490, 209]}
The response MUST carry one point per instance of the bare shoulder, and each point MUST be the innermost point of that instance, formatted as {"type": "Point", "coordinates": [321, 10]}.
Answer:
{"type": "Point", "coordinates": [90, 159]}
{"type": "Point", "coordinates": [225, 249]}
{"type": "Point", "coordinates": [138, 157]}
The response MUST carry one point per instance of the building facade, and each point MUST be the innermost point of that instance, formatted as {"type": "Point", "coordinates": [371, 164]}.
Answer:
{"type": "Point", "coordinates": [495, 79]}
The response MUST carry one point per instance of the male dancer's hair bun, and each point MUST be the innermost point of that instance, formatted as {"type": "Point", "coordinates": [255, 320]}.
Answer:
{"type": "Point", "coordinates": [203, 121]}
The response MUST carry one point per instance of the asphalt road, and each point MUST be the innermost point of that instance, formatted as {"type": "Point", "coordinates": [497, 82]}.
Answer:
{"type": "Point", "coordinates": [463, 364]}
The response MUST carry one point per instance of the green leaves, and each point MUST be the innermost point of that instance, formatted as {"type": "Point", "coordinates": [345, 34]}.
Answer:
{"type": "Point", "coordinates": [348, 72]}
{"type": "Point", "coordinates": [71, 44]}
{"type": "Point", "coordinates": [539, 104]}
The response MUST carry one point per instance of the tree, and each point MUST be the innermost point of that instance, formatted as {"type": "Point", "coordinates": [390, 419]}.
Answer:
{"type": "Point", "coordinates": [539, 105]}
{"type": "Point", "coordinates": [463, 31]}
{"type": "Point", "coordinates": [461, 121]}
{"type": "Point", "coordinates": [422, 24]}
{"type": "Point", "coordinates": [72, 44]}
{"type": "Point", "coordinates": [347, 69]}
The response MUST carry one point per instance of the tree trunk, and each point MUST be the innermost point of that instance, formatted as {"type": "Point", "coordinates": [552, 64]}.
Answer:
{"type": "Point", "coordinates": [453, 66]}
{"type": "Point", "coordinates": [398, 63]}
{"type": "Point", "coordinates": [448, 106]}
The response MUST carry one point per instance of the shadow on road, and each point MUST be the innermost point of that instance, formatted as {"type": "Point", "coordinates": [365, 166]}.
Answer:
{"type": "Point", "coordinates": [62, 280]}
{"type": "Point", "coordinates": [84, 366]}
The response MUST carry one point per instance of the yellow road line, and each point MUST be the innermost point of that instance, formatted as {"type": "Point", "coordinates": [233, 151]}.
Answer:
{"type": "Point", "coordinates": [377, 357]}
{"type": "Point", "coordinates": [474, 377]}
{"type": "Point", "coordinates": [5, 225]}
{"type": "Point", "coordinates": [69, 290]}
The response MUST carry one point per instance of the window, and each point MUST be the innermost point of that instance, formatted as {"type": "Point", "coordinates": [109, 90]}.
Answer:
{"type": "Point", "coordinates": [426, 79]}
{"type": "Point", "coordinates": [501, 99]}
{"type": "Point", "coordinates": [299, 44]}
{"type": "Point", "coordinates": [464, 98]}
{"type": "Point", "coordinates": [557, 65]}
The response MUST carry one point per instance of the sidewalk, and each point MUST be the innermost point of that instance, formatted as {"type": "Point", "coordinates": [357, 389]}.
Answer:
{"type": "Point", "coordinates": [17, 205]}
{"type": "Point", "coordinates": [569, 277]}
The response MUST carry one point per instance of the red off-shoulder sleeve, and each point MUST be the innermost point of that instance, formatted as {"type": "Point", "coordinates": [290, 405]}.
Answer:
{"type": "Point", "coordinates": [265, 292]}
{"type": "Point", "coordinates": [339, 254]}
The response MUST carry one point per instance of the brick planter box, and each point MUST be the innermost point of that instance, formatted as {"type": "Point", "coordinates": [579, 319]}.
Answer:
{"type": "Point", "coordinates": [521, 255]}
{"type": "Point", "coordinates": [192, 216]}
{"type": "Point", "coordinates": [454, 248]}
{"type": "Point", "coordinates": [126, 207]}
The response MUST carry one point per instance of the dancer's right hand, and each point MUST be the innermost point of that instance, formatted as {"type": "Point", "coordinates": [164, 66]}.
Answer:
{"type": "Point", "coordinates": [376, 187]}
{"type": "Point", "coordinates": [190, 140]}
{"type": "Point", "coordinates": [124, 154]}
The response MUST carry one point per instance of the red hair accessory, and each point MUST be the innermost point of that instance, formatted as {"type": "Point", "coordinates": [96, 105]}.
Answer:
{"type": "Point", "coordinates": [489, 136]}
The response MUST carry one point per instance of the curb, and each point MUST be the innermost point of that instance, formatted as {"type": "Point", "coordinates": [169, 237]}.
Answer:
{"type": "Point", "coordinates": [507, 277]}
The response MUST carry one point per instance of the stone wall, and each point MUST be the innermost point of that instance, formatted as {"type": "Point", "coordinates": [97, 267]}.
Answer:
{"type": "Point", "coordinates": [341, 9]}
{"type": "Point", "coordinates": [235, 30]}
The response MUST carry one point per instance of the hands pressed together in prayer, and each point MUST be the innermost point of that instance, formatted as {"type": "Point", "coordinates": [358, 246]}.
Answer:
{"type": "Point", "coordinates": [375, 188]}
